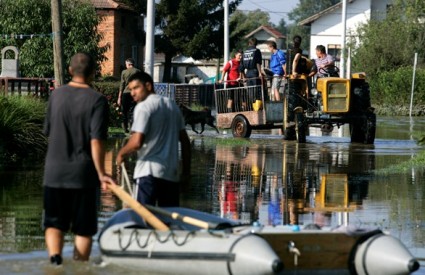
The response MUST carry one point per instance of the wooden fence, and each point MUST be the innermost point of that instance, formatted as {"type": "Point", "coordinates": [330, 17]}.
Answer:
{"type": "Point", "coordinates": [39, 87]}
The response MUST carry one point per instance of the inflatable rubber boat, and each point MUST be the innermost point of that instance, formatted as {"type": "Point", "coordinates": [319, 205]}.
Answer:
{"type": "Point", "coordinates": [230, 247]}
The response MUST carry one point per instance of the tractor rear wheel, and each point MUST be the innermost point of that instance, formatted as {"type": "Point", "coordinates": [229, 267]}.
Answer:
{"type": "Point", "coordinates": [370, 128]}
{"type": "Point", "coordinates": [363, 130]}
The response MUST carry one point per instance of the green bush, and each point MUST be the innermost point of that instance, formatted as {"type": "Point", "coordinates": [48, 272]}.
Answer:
{"type": "Point", "coordinates": [394, 87]}
{"type": "Point", "coordinates": [110, 90]}
{"type": "Point", "coordinates": [21, 125]}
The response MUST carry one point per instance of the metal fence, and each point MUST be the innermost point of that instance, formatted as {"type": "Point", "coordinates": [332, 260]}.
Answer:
{"type": "Point", "coordinates": [202, 94]}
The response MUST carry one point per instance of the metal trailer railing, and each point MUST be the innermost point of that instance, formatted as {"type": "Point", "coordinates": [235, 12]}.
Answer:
{"type": "Point", "coordinates": [243, 97]}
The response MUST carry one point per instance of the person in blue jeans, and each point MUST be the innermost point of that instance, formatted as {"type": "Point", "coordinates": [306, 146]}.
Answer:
{"type": "Point", "coordinates": [157, 129]}
{"type": "Point", "coordinates": [278, 68]}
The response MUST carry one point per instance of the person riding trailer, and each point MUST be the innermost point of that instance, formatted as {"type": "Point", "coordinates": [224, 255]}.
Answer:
{"type": "Point", "coordinates": [300, 69]}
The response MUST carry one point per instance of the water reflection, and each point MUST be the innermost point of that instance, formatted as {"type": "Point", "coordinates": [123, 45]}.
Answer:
{"type": "Point", "coordinates": [20, 211]}
{"type": "Point", "coordinates": [327, 182]}
{"type": "Point", "coordinates": [284, 183]}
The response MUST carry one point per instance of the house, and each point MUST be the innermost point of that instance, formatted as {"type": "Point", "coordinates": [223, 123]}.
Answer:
{"type": "Point", "coordinates": [123, 33]}
{"type": "Point", "coordinates": [326, 26]}
{"type": "Point", "coordinates": [264, 34]}
{"type": "Point", "coordinates": [184, 68]}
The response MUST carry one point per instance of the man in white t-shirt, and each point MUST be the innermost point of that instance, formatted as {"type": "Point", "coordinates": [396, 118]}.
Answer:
{"type": "Point", "coordinates": [156, 131]}
{"type": "Point", "coordinates": [325, 63]}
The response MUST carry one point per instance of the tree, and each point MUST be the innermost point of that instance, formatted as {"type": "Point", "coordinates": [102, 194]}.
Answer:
{"type": "Point", "coordinates": [190, 27]}
{"type": "Point", "coordinates": [25, 23]}
{"type": "Point", "coordinates": [138, 5]}
{"type": "Point", "coordinates": [282, 26]}
{"type": "Point", "coordinates": [242, 23]}
{"type": "Point", "coordinates": [305, 9]}
{"type": "Point", "coordinates": [389, 44]}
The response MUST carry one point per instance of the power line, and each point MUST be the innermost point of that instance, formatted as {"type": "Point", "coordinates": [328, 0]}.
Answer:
{"type": "Point", "coordinates": [277, 12]}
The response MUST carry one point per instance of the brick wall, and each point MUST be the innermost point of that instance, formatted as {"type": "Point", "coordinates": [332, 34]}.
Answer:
{"type": "Point", "coordinates": [120, 31]}
{"type": "Point", "coordinates": [107, 29]}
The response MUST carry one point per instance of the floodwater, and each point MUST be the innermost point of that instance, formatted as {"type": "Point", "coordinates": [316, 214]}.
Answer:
{"type": "Point", "coordinates": [326, 181]}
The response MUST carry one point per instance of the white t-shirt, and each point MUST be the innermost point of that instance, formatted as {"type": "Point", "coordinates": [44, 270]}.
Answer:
{"type": "Point", "coordinates": [160, 120]}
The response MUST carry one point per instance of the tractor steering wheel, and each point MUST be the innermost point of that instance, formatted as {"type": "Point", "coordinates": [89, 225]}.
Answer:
{"type": "Point", "coordinates": [329, 71]}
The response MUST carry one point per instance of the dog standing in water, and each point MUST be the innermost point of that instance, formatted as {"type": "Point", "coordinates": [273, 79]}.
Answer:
{"type": "Point", "coordinates": [195, 117]}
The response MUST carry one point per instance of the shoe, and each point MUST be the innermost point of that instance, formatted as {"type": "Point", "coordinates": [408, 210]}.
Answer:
{"type": "Point", "coordinates": [56, 259]}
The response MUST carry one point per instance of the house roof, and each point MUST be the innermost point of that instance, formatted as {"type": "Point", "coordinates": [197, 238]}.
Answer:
{"type": "Point", "coordinates": [311, 19]}
{"type": "Point", "coordinates": [110, 4]}
{"type": "Point", "coordinates": [272, 31]}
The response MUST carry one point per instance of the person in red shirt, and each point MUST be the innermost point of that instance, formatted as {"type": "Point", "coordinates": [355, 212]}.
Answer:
{"type": "Point", "coordinates": [231, 69]}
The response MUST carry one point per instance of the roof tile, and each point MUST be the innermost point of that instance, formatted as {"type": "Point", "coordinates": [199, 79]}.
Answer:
{"type": "Point", "coordinates": [110, 4]}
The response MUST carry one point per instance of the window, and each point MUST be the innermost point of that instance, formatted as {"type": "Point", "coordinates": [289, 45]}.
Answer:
{"type": "Point", "coordinates": [335, 51]}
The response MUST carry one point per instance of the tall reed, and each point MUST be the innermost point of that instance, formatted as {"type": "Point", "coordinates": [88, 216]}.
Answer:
{"type": "Point", "coordinates": [21, 125]}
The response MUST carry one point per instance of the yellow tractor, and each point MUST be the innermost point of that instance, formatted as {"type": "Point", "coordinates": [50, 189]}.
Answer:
{"type": "Point", "coordinates": [333, 101]}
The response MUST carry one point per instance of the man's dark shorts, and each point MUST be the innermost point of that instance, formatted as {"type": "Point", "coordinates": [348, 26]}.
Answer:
{"type": "Point", "coordinates": [71, 208]}
{"type": "Point", "coordinates": [151, 190]}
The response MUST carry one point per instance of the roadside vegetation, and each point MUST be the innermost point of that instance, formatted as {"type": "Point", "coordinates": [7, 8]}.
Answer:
{"type": "Point", "coordinates": [417, 162]}
{"type": "Point", "coordinates": [26, 25]}
{"type": "Point", "coordinates": [21, 122]}
{"type": "Point", "coordinates": [384, 49]}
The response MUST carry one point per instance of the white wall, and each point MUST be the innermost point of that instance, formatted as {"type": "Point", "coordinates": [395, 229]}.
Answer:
{"type": "Point", "coordinates": [204, 71]}
{"type": "Point", "coordinates": [328, 28]}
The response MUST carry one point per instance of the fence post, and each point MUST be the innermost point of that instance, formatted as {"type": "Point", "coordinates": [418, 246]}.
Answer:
{"type": "Point", "coordinates": [413, 84]}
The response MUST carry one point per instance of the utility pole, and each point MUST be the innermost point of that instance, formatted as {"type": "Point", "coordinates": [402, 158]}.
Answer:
{"type": "Point", "coordinates": [344, 26]}
{"type": "Point", "coordinates": [226, 30]}
{"type": "Point", "coordinates": [58, 58]}
{"type": "Point", "coordinates": [150, 37]}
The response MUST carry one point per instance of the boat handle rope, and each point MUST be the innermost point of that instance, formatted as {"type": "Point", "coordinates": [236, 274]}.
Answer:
{"type": "Point", "coordinates": [135, 236]}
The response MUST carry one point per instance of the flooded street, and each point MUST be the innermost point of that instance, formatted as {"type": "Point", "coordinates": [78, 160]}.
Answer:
{"type": "Point", "coordinates": [327, 181]}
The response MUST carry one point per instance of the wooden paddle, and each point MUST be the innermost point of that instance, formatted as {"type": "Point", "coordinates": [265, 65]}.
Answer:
{"type": "Point", "coordinates": [138, 208]}
{"type": "Point", "coordinates": [174, 215]}
{"type": "Point", "coordinates": [185, 219]}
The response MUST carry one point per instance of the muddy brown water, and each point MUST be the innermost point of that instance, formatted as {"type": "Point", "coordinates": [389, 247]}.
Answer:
{"type": "Point", "coordinates": [326, 181]}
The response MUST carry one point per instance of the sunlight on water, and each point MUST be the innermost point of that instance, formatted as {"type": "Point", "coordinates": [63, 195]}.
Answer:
{"type": "Point", "coordinates": [327, 181]}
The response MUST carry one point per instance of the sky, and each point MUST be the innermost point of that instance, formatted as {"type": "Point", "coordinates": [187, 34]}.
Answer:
{"type": "Point", "coordinates": [276, 8]}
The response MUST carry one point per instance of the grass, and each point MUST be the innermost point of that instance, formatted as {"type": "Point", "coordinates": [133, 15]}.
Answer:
{"type": "Point", "coordinates": [196, 107]}
{"type": "Point", "coordinates": [222, 141]}
{"type": "Point", "coordinates": [21, 124]}
{"type": "Point", "coordinates": [416, 162]}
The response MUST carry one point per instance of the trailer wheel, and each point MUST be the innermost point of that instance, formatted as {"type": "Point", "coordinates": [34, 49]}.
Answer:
{"type": "Point", "coordinates": [241, 127]}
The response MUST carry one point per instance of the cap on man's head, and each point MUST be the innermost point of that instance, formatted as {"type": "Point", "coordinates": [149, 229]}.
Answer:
{"type": "Point", "coordinates": [130, 61]}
